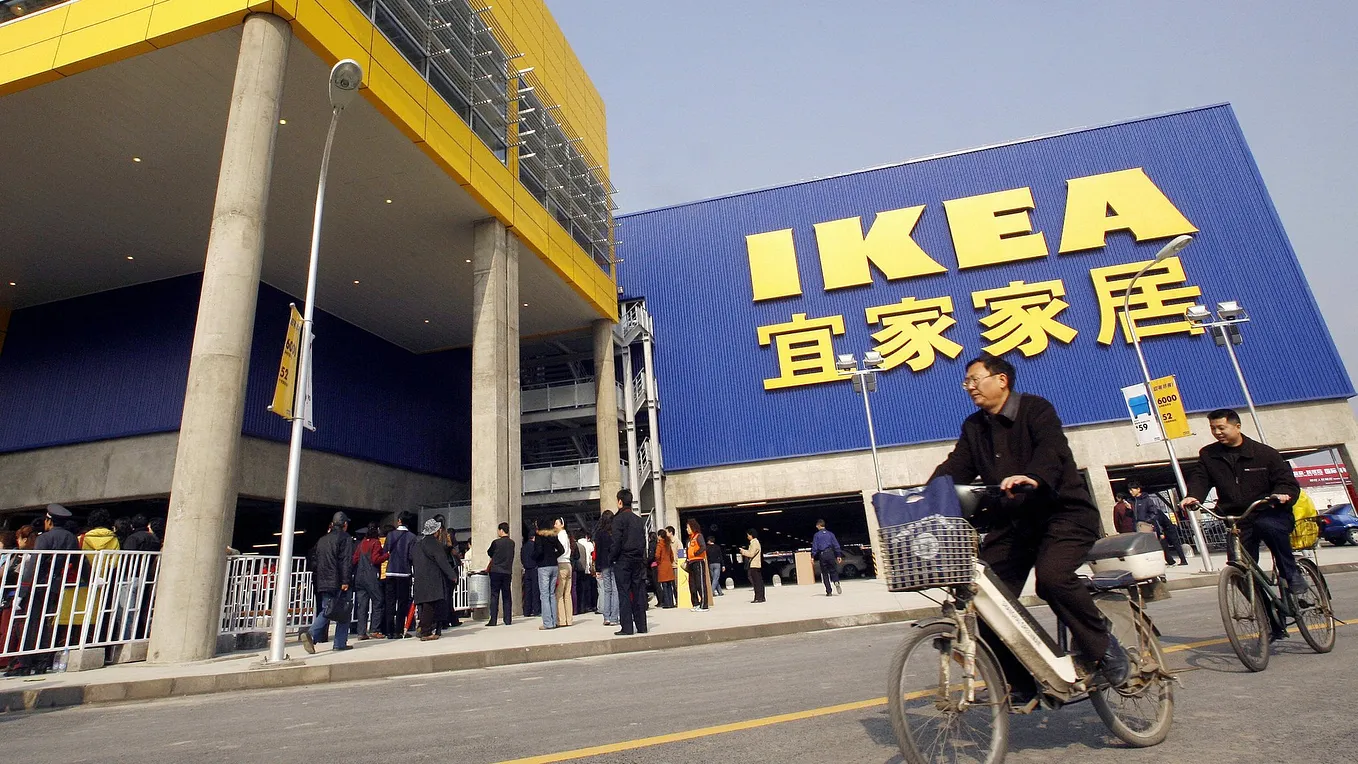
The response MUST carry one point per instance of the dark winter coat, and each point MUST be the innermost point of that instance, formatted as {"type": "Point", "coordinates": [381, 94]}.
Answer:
{"type": "Point", "coordinates": [629, 539]}
{"type": "Point", "coordinates": [368, 559]}
{"type": "Point", "coordinates": [142, 541]}
{"type": "Point", "coordinates": [603, 547]}
{"type": "Point", "coordinates": [333, 558]}
{"type": "Point", "coordinates": [1241, 475]}
{"type": "Point", "coordinates": [1024, 438]}
{"type": "Point", "coordinates": [432, 570]}
{"type": "Point", "coordinates": [400, 544]}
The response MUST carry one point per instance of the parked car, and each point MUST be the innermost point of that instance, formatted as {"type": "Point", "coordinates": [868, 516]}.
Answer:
{"type": "Point", "coordinates": [1339, 525]}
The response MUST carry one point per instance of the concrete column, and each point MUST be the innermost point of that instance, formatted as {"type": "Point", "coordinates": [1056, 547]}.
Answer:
{"type": "Point", "coordinates": [202, 510]}
{"type": "Point", "coordinates": [514, 430]}
{"type": "Point", "coordinates": [606, 415]}
{"type": "Point", "coordinates": [1102, 491]}
{"type": "Point", "coordinates": [497, 478]}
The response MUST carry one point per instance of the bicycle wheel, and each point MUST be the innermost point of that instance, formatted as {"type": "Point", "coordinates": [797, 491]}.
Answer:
{"type": "Point", "coordinates": [1140, 712]}
{"type": "Point", "coordinates": [1316, 623]}
{"type": "Point", "coordinates": [1244, 617]}
{"type": "Point", "coordinates": [925, 697]}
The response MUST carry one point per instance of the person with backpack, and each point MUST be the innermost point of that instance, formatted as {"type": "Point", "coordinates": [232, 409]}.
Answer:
{"type": "Point", "coordinates": [368, 559]}
{"type": "Point", "coordinates": [827, 553]}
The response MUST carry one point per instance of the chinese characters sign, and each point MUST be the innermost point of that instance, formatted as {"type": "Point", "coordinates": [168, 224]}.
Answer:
{"type": "Point", "coordinates": [991, 231]}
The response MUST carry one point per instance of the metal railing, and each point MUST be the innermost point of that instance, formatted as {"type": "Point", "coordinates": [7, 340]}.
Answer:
{"type": "Point", "coordinates": [59, 600]}
{"type": "Point", "coordinates": [554, 396]}
{"type": "Point", "coordinates": [639, 391]}
{"type": "Point", "coordinates": [248, 591]}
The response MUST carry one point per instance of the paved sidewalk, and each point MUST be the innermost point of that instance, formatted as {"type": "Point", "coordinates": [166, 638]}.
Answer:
{"type": "Point", "coordinates": [789, 610]}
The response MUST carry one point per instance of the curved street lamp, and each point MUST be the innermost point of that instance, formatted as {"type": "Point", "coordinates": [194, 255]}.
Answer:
{"type": "Point", "coordinates": [1171, 249]}
{"type": "Point", "coordinates": [345, 79]}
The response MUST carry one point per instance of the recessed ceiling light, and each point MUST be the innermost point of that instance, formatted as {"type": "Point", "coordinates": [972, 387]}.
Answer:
{"type": "Point", "coordinates": [282, 121]}
{"type": "Point", "coordinates": [388, 201]}
{"type": "Point", "coordinates": [469, 261]}
{"type": "Point", "coordinates": [13, 284]}
{"type": "Point", "coordinates": [426, 320]}
{"type": "Point", "coordinates": [136, 159]}
{"type": "Point", "coordinates": [355, 281]}
{"type": "Point", "coordinates": [525, 305]}
{"type": "Point", "coordinates": [129, 257]}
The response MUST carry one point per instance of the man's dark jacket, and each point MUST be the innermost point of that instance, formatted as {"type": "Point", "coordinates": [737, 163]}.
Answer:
{"type": "Point", "coordinates": [629, 539]}
{"type": "Point", "coordinates": [501, 552]}
{"type": "Point", "coordinates": [1241, 475]}
{"type": "Point", "coordinates": [1024, 438]}
{"type": "Point", "coordinates": [333, 555]}
{"type": "Point", "coordinates": [142, 541]}
{"type": "Point", "coordinates": [528, 555]}
{"type": "Point", "coordinates": [431, 568]}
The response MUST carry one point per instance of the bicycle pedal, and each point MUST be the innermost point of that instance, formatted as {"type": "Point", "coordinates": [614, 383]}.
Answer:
{"type": "Point", "coordinates": [1026, 708]}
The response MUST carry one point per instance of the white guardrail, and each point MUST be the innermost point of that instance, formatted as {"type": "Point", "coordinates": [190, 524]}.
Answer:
{"type": "Point", "coordinates": [54, 601]}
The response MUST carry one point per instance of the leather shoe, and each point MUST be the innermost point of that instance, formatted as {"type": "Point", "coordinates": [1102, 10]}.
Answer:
{"type": "Point", "coordinates": [1114, 665]}
{"type": "Point", "coordinates": [622, 633]}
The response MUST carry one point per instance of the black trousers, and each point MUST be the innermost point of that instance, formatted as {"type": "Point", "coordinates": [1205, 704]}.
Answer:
{"type": "Point", "coordinates": [829, 574]}
{"type": "Point", "coordinates": [500, 595]}
{"type": "Point", "coordinates": [395, 604]}
{"type": "Point", "coordinates": [1055, 548]}
{"type": "Point", "coordinates": [757, 581]}
{"type": "Point", "coordinates": [1274, 528]}
{"type": "Point", "coordinates": [428, 618]}
{"type": "Point", "coordinates": [697, 584]}
{"type": "Point", "coordinates": [1173, 544]}
{"type": "Point", "coordinates": [532, 605]}
{"type": "Point", "coordinates": [630, 577]}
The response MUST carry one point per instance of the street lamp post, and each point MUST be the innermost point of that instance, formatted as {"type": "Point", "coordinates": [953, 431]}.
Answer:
{"type": "Point", "coordinates": [345, 78]}
{"type": "Point", "coordinates": [1167, 251]}
{"type": "Point", "coordinates": [1226, 331]}
{"type": "Point", "coordinates": [864, 381]}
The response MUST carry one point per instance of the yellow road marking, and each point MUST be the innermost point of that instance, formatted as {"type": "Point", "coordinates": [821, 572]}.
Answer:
{"type": "Point", "coordinates": [766, 721]}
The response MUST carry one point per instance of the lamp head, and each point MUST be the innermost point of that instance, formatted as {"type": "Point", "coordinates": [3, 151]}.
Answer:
{"type": "Point", "coordinates": [345, 79]}
{"type": "Point", "coordinates": [1198, 315]}
{"type": "Point", "coordinates": [1231, 311]}
{"type": "Point", "coordinates": [873, 359]}
{"type": "Point", "coordinates": [846, 362]}
{"type": "Point", "coordinates": [1173, 248]}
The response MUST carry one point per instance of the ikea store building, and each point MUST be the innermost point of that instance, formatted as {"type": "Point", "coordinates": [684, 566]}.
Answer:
{"type": "Point", "coordinates": [1023, 250]}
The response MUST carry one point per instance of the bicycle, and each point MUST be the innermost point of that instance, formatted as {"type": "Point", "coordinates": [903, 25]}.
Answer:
{"type": "Point", "coordinates": [948, 699]}
{"type": "Point", "coordinates": [1256, 608]}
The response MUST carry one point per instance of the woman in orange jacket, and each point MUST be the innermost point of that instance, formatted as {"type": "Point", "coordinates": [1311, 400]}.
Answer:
{"type": "Point", "coordinates": [664, 569]}
{"type": "Point", "coordinates": [698, 588]}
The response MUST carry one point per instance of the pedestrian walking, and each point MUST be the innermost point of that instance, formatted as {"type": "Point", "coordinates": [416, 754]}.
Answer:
{"type": "Point", "coordinates": [433, 574]}
{"type": "Point", "coordinates": [501, 570]}
{"type": "Point", "coordinates": [664, 566]}
{"type": "Point", "coordinates": [753, 555]}
{"type": "Point", "coordinates": [532, 603]}
{"type": "Point", "coordinates": [396, 592]}
{"type": "Point", "coordinates": [700, 592]}
{"type": "Point", "coordinates": [608, 584]}
{"type": "Point", "coordinates": [1152, 516]}
{"type": "Point", "coordinates": [333, 576]}
{"type": "Point", "coordinates": [548, 550]}
{"type": "Point", "coordinates": [562, 602]}
{"type": "Point", "coordinates": [368, 559]}
{"type": "Point", "coordinates": [715, 558]}
{"type": "Point", "coordinates": [827, 552]}
{"type": "Point", "coordinates": [627, 558]}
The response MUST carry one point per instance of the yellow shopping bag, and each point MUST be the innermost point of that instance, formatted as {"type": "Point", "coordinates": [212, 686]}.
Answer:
{"type": "Point", "coordinates": [1306, 534]}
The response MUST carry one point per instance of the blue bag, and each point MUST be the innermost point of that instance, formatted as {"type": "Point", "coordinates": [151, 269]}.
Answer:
{"type": "Point", "coordinates": [938, 497]}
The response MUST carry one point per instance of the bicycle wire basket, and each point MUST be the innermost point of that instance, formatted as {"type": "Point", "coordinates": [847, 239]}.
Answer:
{"type": "Point", "coordinates": [929, 553]}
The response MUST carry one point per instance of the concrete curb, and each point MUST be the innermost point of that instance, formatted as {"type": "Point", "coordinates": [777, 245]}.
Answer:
{"type": "Point", "coordinates": [299, 676]}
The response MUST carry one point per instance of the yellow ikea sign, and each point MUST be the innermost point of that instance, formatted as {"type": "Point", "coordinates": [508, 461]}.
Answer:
{"type": "Point", "coordinates": [987, 229]}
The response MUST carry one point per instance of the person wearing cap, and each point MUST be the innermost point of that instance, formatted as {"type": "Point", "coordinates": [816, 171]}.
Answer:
{"type": "Point", "coordinates": [40, 586]}
{"type": "Point", "coordinates": [433, 574]}
{"type": "Point", "coordinates": [333, 575]}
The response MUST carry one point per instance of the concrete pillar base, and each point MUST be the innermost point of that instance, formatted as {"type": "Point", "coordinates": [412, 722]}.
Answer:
{"type": "Point", "coordinates": [606, 416]}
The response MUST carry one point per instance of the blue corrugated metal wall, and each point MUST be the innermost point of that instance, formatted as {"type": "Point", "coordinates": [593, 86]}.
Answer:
{"type": "Point", "coordinates": [114, 364]}
{"type": "Point", "coordinates": [690, 264]}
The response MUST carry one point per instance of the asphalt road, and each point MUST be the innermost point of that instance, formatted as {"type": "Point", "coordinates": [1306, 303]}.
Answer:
{"type": "Point", "coordinates": [1304, 708]}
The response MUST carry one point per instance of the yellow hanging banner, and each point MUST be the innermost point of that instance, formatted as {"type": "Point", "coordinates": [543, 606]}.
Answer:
{"type": "Point", "coordinates": [1172, 417]}
{"type": "Point", "coordinates": [285, 391]}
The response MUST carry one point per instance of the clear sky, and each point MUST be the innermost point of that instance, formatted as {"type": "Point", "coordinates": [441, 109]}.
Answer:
{"type": "Point", "coordinates": [706, 98]}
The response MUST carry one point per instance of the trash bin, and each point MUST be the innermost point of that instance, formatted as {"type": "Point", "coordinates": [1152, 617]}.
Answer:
{"type": "Point", "coordinates": [478, 590]}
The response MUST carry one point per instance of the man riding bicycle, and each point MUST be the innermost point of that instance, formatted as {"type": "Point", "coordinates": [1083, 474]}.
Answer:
{"type": "Point", "coordinates": [1244, 471]}
{"type": "Point", "coordinates": [1015, 440]}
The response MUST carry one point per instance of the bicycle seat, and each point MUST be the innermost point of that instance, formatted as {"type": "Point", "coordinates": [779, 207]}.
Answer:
{"type": "Point", "coordinates": [1138, 554]}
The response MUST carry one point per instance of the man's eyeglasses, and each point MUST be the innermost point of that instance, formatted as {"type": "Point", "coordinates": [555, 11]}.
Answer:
{"type": "Point", "coordinates": [970, 382]}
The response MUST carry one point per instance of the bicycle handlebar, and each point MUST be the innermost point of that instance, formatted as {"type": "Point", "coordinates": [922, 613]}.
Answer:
{"type": "Point", "coordinates": [1255, 506]}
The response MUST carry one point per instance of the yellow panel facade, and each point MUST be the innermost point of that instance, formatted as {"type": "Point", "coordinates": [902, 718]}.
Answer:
{"type": "Point", "coordinates": [90, 33]}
